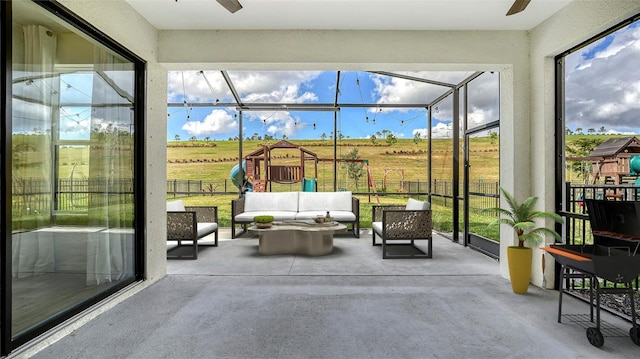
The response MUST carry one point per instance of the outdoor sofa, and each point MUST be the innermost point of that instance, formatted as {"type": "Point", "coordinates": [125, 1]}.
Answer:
{"type": "Point", "coordinates": [343, 207]}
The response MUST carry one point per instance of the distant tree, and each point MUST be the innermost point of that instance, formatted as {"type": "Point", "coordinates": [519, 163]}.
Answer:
{"type": "Point", "coordinates": [578, 131]}
{"type": "Point", "coordinates": [603, 130]}
{"type": "Point", "coordinates": [582, 147]}
{"type": "Point", "coordinates": [373, 139]}
{"type": "Point", "coordinates": [355, 170]}
{"type": "Point", "coordinates": [591, 131]}
{"type": "Point", "coordinates": [416, 138]}
{"type": "Point", "coordinates": [177, 138]}
{"type": "Point", "coordinates": [207, 138]}
{"type": "Point", "coordinates": [284, 137]}
{"type": "Point", "coordinates": [193, 138]}
{"type": "Point", "coordinates": [323, 136]}
{"type": "Point", "coordinates": [379, 134]}
{"type": "Point", "coordinates": [493, 137]}
{"type": "Point", "coordinates": [255, 136]}
{"type": "Point", "coordinates": [568, 131]}
{"type": "Point", "coordinates": [391, 139]}
{"type": "Point", "coordinates": [340, 135]}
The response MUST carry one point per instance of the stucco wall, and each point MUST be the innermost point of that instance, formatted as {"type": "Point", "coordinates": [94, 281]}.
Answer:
{"type": "Point", "coordinates": [579, 21]}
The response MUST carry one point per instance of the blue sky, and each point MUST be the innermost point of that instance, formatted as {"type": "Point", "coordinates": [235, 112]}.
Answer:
{"type": "Point", "coordinates": [356, 87]}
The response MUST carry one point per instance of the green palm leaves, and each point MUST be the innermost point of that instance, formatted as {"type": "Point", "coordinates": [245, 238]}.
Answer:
{"type": "Point", "coordinates": [521, 217]}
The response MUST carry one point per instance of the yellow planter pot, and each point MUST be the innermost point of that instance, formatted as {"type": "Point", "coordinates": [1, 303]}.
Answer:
{"type": "Point", "coordinates": [519, 268]}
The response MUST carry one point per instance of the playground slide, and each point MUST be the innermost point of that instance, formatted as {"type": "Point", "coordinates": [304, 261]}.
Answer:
{"type": "Point", "coordinates": [634, 168]}
{"type": "Point", "coordinates": [308, 185]}
{"type": "Point", "coordinates": [634, 165]}
{"type": "Point", "coordinates": [237, 177]}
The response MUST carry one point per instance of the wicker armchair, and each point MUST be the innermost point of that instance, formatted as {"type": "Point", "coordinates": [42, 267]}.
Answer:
{"type": "Point", "coordinates": [190, 224]}
{"type": "Point", "coordinates": [399, 228]}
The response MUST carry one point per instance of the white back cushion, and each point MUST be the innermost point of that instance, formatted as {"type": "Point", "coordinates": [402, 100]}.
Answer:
{"type": "Point", "coordinates": [270, 201]}
{"type": "Point", "coordinates": [415, 205]}
{"type": "Point", "coordinates": [325, 201]}
{"type": "Point", "coordinates": [175, 206]}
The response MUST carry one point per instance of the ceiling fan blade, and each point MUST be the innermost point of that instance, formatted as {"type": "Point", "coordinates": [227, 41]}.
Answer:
{"type": "Point", "coordinates": [231, 5]}
{"type": "Point", "coordinates": [518, 6]}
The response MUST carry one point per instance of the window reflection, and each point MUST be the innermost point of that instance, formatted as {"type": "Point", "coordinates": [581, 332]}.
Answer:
{"type": "Point", "coordinates": [73, 165]}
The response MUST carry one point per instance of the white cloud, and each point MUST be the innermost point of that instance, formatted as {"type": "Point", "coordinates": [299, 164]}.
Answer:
{"type": "Point", "coordinates": [217, 122]}
{"type": "Point", "coordinates": [422, 131]}
{"type": "Point", "coordinates": [254, 86]}
{"type": "Point", "coordinates": [391, 90]}
{"type": "Point", "coordinates": [442, 130]}
{"type": "Point", "coordinates": [603, 84]}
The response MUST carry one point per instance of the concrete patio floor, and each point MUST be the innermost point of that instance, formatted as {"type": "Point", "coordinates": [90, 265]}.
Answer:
{"type": "Point", "coordinates": [234, 303]}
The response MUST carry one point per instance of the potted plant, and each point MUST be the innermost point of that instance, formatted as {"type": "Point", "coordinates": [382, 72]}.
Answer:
{"type": "Point", "coordinates": [264, 221]}
{"type": "Point", "coordinates": [521, 217]}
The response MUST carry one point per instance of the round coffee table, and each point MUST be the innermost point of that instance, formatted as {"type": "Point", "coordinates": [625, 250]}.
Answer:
{"type": "Point", "coordinates": [297, 237]}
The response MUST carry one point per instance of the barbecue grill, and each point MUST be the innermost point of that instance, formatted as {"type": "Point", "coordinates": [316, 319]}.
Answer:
{"type": "Point", "coordinates": [614, 256]}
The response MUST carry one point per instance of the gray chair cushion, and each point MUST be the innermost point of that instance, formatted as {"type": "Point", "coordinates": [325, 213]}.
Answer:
{"type": "Point", "coordinates": [377, 227]}
{"type": "Point", "coordinates": [175, 206]}
{"type": "Point", "coordinates": [206, 229]}
{"type": "Point", "coordinates": [415, 205]}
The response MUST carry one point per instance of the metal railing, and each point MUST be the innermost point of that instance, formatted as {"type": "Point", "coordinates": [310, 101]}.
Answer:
{"type": "Point", "coordinates": [577, 228]}
{"type": "Point", "coordinates": [37, 196]}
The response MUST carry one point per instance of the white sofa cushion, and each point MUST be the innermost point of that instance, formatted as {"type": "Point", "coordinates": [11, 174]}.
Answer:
{"type": "Point", "coordinates": [175, 206]}
{"type": "Point", "coordinates": [247, 217]}
{"type": "Point", "coordinates": [340, 216]}
{"type": "Point", "coordinates": [415, 205]}
{"type": "Point", "coordinates": [267, 202]}
{"type": "Point", "coordinates": [325, 201]}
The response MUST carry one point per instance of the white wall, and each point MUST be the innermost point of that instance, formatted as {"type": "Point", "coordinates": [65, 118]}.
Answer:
{"type": "Point", "coordinates": [579, 21]}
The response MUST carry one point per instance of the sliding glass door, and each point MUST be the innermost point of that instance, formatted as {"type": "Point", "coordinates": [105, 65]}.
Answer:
{"type": "Point", "coordinates": [74, 218]}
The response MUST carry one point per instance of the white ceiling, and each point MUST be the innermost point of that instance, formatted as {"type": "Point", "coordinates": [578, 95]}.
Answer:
{"type": "Point", "coordinates": [346, 14]}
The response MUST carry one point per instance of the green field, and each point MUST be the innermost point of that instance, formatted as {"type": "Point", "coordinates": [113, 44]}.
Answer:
{"type": "Point", "coordinates": [212, 161]}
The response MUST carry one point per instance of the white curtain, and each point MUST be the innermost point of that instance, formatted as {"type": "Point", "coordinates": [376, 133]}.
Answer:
{"type": "Point", "coordinates": [108, 251]}
{"type": "Point", "coordinates": [33, 112]}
